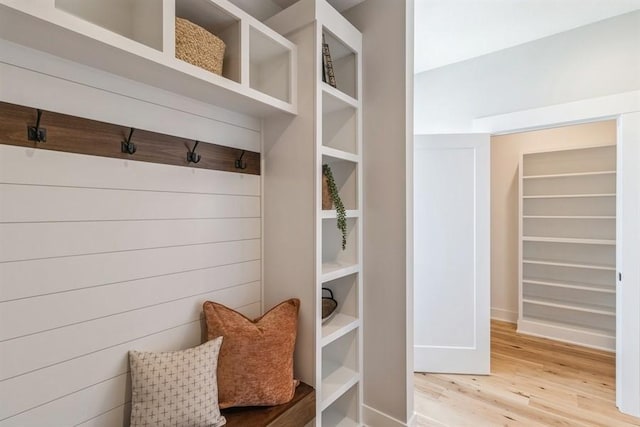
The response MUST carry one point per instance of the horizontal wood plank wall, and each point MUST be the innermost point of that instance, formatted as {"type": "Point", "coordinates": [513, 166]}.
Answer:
{"type": "Point", "coordinates": [78, 135]}
{"type": "Point", "coordinates": [101, 255]}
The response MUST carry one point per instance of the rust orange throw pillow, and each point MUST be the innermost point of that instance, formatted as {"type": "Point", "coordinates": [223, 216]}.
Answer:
{"type": "Point", "coordinates": [255, 365]}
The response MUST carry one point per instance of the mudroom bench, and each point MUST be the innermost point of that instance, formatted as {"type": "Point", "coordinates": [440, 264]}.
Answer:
{"type": "Point", "coordinates": [297, 413]}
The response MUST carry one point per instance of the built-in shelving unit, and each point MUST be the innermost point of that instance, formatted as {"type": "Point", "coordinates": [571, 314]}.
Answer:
{"type": "Point", "coordinates": [567, 248]}
{"type": "Point", "coordinates": [136, 39]}
{"type": "Point", "coordinates": [326, 131]}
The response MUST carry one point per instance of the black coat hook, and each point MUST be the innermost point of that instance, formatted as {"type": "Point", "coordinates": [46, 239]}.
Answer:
{"type": "Point", "coordinates": [127, 146]}
{"type": "Point", "coordinates": [36, 133]}
{"type": "Point", "coordinates": [241, 164]}
{"type": "Point", "coordinates": [192, 156]}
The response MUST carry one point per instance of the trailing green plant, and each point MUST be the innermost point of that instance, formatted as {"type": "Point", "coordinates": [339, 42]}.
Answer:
{"type": "Point", "coordinates": [341, 213]}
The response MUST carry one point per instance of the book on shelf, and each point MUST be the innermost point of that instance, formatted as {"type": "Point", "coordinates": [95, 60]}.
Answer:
{"type": "Point", "coordinates": [328, 75]}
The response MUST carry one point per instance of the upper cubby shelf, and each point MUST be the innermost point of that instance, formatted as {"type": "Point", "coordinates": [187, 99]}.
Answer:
{"type": "Point", "coordinates": [135, 39]}
{"type": "Point", "coordinates": [344, 63]}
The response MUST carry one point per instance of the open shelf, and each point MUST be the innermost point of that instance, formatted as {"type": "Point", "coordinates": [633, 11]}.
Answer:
{"type": "Point", "coordinates": [568, 196]}
{"type": "Point", "coordinates": [345, 291]}
{"type": "Point", "coordinates": [339, 367]}
{"type": "Point", "coordinates": [560, 273]}
{"type": "Point", "coordinates": [344, 64]}
{"type": "Point", "coordinates": [568, 240]}
{"type": "Point", "coordinates": [222, 24]}
{"type": "Point", "coordinates": [135, 39]}
{"type": "Point", "coordinates": [332, 252]}
{"type": "Point", "coordinates": [578, 228]}
{"type": "Point", "coordinates": [576, 253]}
{"type": "Point", "coordinates": [332, 155]}
{"type": "Point", "coordinates": [138, 20]}
{"type": "Point", "coordinates": [565, 175]}
{"type": "Point", "coordinates": [570, 184]}
{"type": "Point", "coordinates": [571, 285]}
{"type": "Point", "coordinates": [577, 299]}
{"type": "Point", "coordinates": [331, 214]}
{"type": "Point", "coordinates": [566, 264]}
{"type": "Point", "coordinates": [586, 308]}
{"type": "Point", "coordinates": [337, 327]}
{"type": "Point", "coordinates": [570, 206]}
{"type": "Point", "coordinates": [343, 412]}
{"type": "Point", "coordinates": [334, 270]}
{"type": "Point", "coordinates": [574, 161]}
{"type": "Point", "coordinates": [339, 120]}
{"type": "Point", "coordinates": [345, 175]}
{"type": "Point", "coordinates": [568, 217]}
{"type": "Point", "coordinates": [269, 66]}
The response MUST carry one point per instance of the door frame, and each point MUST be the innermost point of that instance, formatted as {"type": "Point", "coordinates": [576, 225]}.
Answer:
{"type": "Point", "coordinates": [612, 107]}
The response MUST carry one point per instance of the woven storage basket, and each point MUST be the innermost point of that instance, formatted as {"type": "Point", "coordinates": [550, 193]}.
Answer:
{"type": "Point", "coordinates": [198, 46]}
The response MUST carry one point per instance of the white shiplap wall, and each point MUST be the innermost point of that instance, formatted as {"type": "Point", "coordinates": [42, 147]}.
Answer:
{"type": "Point", "coordinates": [99, 256]}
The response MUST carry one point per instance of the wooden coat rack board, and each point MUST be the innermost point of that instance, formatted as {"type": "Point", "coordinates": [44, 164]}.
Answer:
{"type": "Point", "coordinates": [29, 127]}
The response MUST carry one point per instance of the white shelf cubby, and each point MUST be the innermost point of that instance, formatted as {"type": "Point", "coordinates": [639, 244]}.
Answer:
{"type": "Point", "coordinates": [135, 39]}
{"type": "Point", "coordinates": [343, 412]}
{"type": "Point", "coordinates": [340, 368]}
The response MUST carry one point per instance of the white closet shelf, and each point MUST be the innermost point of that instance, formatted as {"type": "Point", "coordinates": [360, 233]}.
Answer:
{"type": "Point", "coordinates": [339, 326]}
{"type": "Point", "coordinates": [335, 419]}
{"type": "Point", "coordinates": [331, 213]}
{"type": "Point", "coordinates": [586, 308]}
{"type": "Point", "coordinates": [568, 196]}
{"type": "Point", "coordinates": [569, 217]}
{"type": "Point", "coordinates": [570, 285]}
{"type": "Point", "coordinates": [331, 155]}
{"type": "Point", "coordinates": [336, 100]}
{"type": "Point", "coordinates": [338, 382]}
{"type": "Point", "coordinates": [569, 240]}
{"type": "Point", "coordinates": [333, 270]}
{"type": "Point", "coordinates": [569, 264]}
{"type": "Point", "coordinates": [566, 175]}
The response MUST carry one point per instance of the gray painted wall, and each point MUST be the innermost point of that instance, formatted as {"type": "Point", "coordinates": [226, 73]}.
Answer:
{"type": "Point", "coordinates": [591, 61]}
{"type": "Point", "coordinates": [387, 63]}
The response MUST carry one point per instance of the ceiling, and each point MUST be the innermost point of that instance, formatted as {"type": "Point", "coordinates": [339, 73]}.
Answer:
{"type": "Point", "coordinates": [449, 31]}
{"type": "Point", "coordinates": [263, 9]}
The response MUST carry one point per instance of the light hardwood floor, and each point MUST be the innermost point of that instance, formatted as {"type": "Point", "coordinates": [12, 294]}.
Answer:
{"type": "Point", "coordinates": [533, 382]}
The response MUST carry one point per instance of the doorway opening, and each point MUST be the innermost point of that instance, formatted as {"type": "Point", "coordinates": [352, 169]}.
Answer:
{"type": "Point", "coordinates": [553, 232]}
{"type": "Point", "coordinates": [568, 266]}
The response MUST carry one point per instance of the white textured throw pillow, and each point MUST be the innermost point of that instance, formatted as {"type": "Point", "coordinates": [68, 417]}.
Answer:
{"type": "Point", "coordinates": [176, 388]}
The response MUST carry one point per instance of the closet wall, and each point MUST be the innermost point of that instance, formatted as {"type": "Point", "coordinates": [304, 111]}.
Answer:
{"type": "Point", "coordinates": [506, 151]}
{"type": "Point", "coordinates": [99, 256]}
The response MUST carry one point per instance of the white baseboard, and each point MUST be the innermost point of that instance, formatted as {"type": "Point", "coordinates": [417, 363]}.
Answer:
{"type": "Point", "coordinates": [374, 418]}
{"type": "Point", "coordinates": [568, 335]}
{"type": "Point", "coordinates": [413, 421]}
{"type": "Point", "coordinates": [504, 315]}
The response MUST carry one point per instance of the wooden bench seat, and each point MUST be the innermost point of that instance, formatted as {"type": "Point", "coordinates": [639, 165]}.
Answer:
{"type": "Point", "coordinates": [297, 413]}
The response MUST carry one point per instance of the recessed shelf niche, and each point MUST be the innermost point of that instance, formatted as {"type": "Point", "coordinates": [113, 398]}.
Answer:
{"type": "Point", "coordinates": [332, 252]}
{"type": "Point", "coordinates": [269, 66]}
{"type": "Point", "coordinates": [339, 122]}
{"type": "Point", "coordinates": [345, 291]}
{"type": "Point", "coordinates": [220, 23]}
{"type": "Point", "coordinates": [345, 175]}
{"type": "Point", "coordinates": [344, 61]}
{"type": "Point", "coordinates": [339, 368]}
{"type": "Point", "coordinates": [343, 412]}
{"type": "Point", "coordinates": [139, 20]}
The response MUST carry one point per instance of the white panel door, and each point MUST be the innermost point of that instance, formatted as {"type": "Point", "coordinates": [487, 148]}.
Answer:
{"type": "Point", "coordinates": [628, 253]}
{"type": "Point", "coordinates": [452, 253]}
